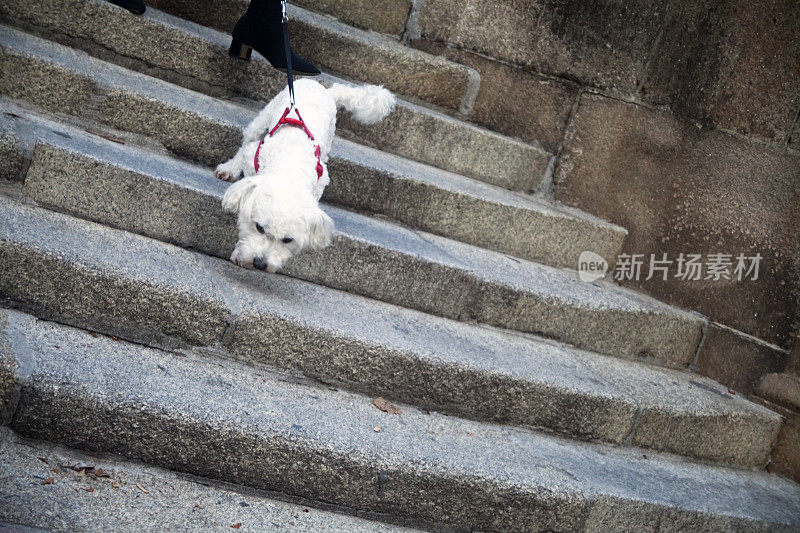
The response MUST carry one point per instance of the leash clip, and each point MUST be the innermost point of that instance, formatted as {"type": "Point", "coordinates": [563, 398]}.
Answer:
{"type": "Point", "coordinates": [285, 17]}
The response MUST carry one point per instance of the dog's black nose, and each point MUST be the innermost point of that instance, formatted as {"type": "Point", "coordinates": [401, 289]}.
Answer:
{"type": "Point", "coordinates": [259, 263]}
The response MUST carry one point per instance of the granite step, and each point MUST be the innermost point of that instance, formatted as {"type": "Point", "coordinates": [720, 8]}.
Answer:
{"type": "Point", "coordinates": [202, 416]}
{"type": "Point", "coordinates": [137, 190]}
{"type": "Point", "coordinates": [194, 56]}
{"type": "Point", "coordinates": [104, 279]}
{"type": "Point", "coordinates": [206, 130]}
{"type": "Point", "coordinates": [142, 497]}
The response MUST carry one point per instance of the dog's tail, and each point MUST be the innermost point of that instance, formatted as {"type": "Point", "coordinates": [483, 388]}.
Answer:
{"type": "Point", "coordinates": [368, 103]}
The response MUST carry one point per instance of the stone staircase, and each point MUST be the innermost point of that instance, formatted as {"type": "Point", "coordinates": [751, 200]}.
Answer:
{"type": "Point", "coordinates": [530, 399]}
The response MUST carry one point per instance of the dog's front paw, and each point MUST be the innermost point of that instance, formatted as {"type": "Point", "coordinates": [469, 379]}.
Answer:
{"type": "Point", "coordinates": [236, 258]}
{"type": "Point", "coordinates": [228, 171]}
{"type": "Point", "coordinates": [224, 175]}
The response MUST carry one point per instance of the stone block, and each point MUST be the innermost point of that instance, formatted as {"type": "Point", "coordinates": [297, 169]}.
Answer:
{"type": "Point", "coordinates": [731, 64]}
{"type": "Point", "coordinates": [681, 189]}
{"type": "Point", "coordinates": [747, 445]}
{"type": "Point", "coordinates": [737, 360]}
{"type": "Point", "coordinates": [129, 285]}
{"type": "Point", "coordinates": [74, 91]}
{"type": "Point", "coordinates": [786, 453]}
{"type": "Point", "coordinates": [513, 100]}
{"type": "Point", "coordinates": [449, 144]}
{"type": "Point", "coordinates": [182, 130]}
{"type": "Point", "coordinates": [781, 389]}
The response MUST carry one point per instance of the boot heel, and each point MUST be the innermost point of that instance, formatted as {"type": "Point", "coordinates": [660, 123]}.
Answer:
{"type": "Point", "coordinates": [240, 50]}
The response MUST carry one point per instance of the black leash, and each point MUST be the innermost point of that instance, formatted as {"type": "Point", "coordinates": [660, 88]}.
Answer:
{"type": "Point", "coordinates": [288, 51]}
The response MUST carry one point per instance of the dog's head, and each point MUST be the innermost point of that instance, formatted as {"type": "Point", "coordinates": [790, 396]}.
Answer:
{"type": "Point", "coordinates": [275, 221]}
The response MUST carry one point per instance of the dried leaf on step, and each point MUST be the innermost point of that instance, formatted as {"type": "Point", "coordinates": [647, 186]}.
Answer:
{"type": "Point", "coordinates": [237, 525]}
{"type": "Point", "coordinates": [101, 473]}
{"type": "Point", "coordinates": [385, 406]}
{"type": "Point", "coordinates": [143, 489]}
{"type": "Point", "coordinates": [49, 481]}
{"type": "Point", "coordinates": [90, 489]}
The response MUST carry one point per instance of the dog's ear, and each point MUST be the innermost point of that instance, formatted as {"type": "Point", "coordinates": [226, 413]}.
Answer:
{"type": "Point", "coordinates": [320, 230]}
{"type": "Point", "coordinates": [236, 193]}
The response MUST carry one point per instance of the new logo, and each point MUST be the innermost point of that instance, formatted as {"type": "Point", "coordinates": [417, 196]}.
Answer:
{"type": "Point", "coordinates": [591, 267]}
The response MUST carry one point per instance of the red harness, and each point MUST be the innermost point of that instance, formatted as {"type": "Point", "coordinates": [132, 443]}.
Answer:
{"type": "Point", "coordinates": [298, 123]}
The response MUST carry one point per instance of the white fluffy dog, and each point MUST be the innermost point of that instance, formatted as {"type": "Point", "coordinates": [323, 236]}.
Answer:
{"type": "Point", "coordinates": [283, 160]}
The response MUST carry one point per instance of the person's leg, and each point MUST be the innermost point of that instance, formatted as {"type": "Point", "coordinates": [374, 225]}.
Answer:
{"type": "Point", "coordinates": [260, 29]}
{"type": "Point", "coordinates": [134, 6]}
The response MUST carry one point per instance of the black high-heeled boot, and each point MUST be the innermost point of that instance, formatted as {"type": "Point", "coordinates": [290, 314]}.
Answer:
{"type": "Point", "coordinates": [260, 29]}
{"type": "Point", "coordinates": [134, 6]}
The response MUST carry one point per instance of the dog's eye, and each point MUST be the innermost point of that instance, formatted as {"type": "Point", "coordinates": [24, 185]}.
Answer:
{"type": "Point", "coordinates": [286, 240]}
{"type": "Point", "coordinates": [259, 227]}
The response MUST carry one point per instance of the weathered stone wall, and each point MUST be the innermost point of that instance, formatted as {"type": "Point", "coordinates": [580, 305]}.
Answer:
{"type": "Point", "coordinates": [733, 64]}
{"type": "Point", "coordinates": [682, 189]}
{"type": "Point", "coordinates": [677, 119]}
